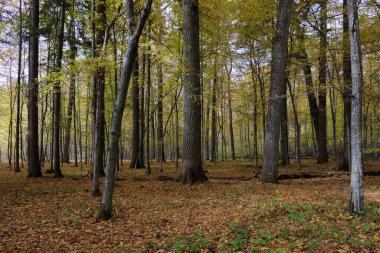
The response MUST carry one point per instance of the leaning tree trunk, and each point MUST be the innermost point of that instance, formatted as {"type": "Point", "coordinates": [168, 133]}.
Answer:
{"type": "Point", "coordinates": [345, 163]}
{"type": "Point", "coordinates": [192, 170]}
{"type": "Point", "coordinates": [357, 180]}
{"type": "Point", "coordinates": [34, 166]}
{"type": "Point", "coordinates": [276, 92]}
{"type": "Point", "coordinates": [126, 73]}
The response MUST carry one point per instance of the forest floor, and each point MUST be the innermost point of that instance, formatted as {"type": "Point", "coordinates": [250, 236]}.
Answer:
{"type": "Point", "coordinates": [233, 212]}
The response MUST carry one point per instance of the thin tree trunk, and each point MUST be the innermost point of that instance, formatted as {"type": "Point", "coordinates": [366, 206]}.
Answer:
{"type": "Point", "coordinates": [18, 95]}
{"type": "Point", "coordinates": [160, 123]}
{"type": "Point", "coordinates": [147, 113]}
{"type": "Point", "coordinates": [232, 141]}
{"type": "Point", "coordinates": [213, 117]}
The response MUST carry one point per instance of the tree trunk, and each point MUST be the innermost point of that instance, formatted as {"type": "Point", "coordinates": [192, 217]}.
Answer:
{"type": "Point", "coordinates": [115, 132]}
{"type": "Point", "coordinates": [232, 141]}
{"type": "Point", "coordinates": [213, 117]}
{"type": "Point", "coordinates": [160, 123]}
{"type": "Point", "coordinates": [322, 129]}
{"type": "Point", "coordinates": [18, 95]}
{"type": "Point", "coordinates": [34, 167]}
{"type": "Point", "coordinates": [192, 170]}
{"type": "Point", "coordinates": [142, 119]}
{"type": "Point", "coordinates": [135, 161]}
{"type": "Point", "coordinates": [277, 82]}
{"type": "Point", "coordinates": [347, 90]}
{"type": "Point", "coordinates": [100, 19]}
{"type": "Point", "coordinates": [66, 146]}
{"type": "Point", "coordinates": [147, 113]}
{"type": "Point", "coordinates": [57, 95]}
{"type": "Point", "coordinates": [284, 145]}
{"type": "Point", "coordinates": [357, 180]}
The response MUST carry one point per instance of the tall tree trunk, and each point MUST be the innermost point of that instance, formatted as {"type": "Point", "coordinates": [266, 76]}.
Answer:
{"type": "Point", "coordinates": [100, 19]}
{"type": "Point", "coordinates": [313, 106]}
{"type": "Point", "coordinates": [284, 145]}
{"type": "Point", "coordinates": [322, 128]}
{"type": "Point", "coordinates": [357, 179]}
{"type": "Point", "coordinates": [147, 113]}
{"type": "Point", "coordinates": [192, 170]}
{"type": "Point", "coordinates": [160, 119]}
{"type": "Point", "coordinates": [347, 90]}
{"type": "Point", "coordinates": [142, 119]}
{"type": "Point", "coordinates": [126, 73]}
{"type": "Point", "coordinates": [135, 161]}
{"type": "Point", "coordinates": [277, 82]}
{"type": "Point", "coordinates": [57, 94]}
{"type": "Point", "coordinates": [207, 132]}
{"type": "Point", "coordinates": [232, 141]}
{"type": "Point", "coordinates": [34, 166]}
{"type": "Point", "coordinates": [296, 126]}
{"type": "Point", "coordinates": [18, 95]}
{"type": "Point", "coordinates": [213, 117]}
{"type": "Point", "coordinates": [73, 49]}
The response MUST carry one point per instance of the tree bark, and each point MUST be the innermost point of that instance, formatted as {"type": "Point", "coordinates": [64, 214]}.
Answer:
{"type": "Point", "coordinates": [147, 113]}
{"type": "Point", "coordinates": [232, 141]}
{"type": "Point", "coordinates": [160, 119]}
{"type": "Point", "coordinates": [347, 90]}
{"type": "Point", "coordinates": [192, 170]}
{"type": "Point", "coordinates": [34, 166]}
{"type": "Point", "coordinates": [100, 19]}
{"type": "Point", "coordinates": [57, 94]}
{"type": "Point", "coordinates": [18, 95]}
{"type": "Point", "coordinates": [73, 51]}
{"type": "Point", "coordinates": [277, 81]}
{"type": "Point", "coordinates": [213, 117]}
{"type": "Point", "coordinates": [135, 148]}
{"type": "Point", "coordinates": [322, 121]}
{"type": "Point", "coordinates": [357, 179]}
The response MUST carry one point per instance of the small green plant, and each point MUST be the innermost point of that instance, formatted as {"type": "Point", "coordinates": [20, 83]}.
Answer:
{"type": "Point", "coordinates": [192, 244]}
